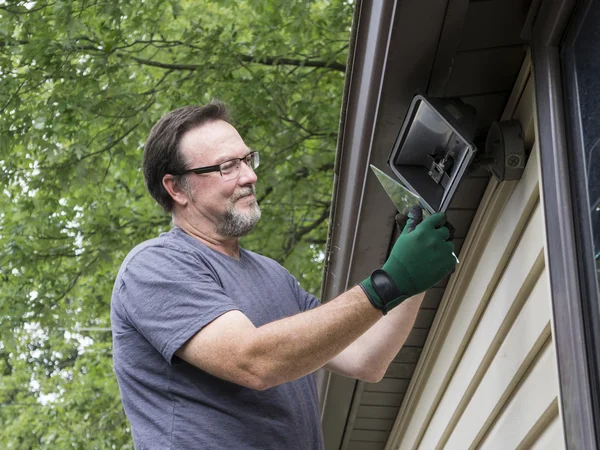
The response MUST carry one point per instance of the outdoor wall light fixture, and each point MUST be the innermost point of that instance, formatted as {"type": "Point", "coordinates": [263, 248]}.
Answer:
{"type": "Point", "coordinates": [434, 149]}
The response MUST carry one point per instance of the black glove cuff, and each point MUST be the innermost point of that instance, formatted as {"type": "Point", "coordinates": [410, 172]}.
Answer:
{"type": "Point", "coordinates": [372, 297]}
{"type": "Point", "coordinates": [385, 288]}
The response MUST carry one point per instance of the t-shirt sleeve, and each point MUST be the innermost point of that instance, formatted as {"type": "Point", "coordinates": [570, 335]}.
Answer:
{"type": "Point", "coordinates": [169, 296]}
{"type": "Point", "coordinates": [306, 301]}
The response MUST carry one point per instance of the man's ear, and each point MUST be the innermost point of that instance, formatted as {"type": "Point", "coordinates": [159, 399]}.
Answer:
{"type": "Point", "coordinates": [178, 195]}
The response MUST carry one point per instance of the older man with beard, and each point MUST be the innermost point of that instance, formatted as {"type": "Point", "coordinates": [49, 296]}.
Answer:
{"type": "Point", "coordinates": [215, 346]}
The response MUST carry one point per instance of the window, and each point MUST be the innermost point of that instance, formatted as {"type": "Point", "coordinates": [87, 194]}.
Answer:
{"type": "Point", "coordinates": [581, 66]}
{"type": "Point", "coordinates": [581, 70]}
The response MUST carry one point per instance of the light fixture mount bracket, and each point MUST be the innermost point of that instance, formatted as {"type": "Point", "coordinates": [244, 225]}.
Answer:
{"type": "Point", "coordinates": [505, 150]}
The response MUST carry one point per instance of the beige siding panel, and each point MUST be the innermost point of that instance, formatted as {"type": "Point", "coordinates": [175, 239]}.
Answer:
{"type": "Point", "coordinates": [515, 285]}
{"type": "Point", "coordinates": [498, 249]}
{"type": "Point", "coordinates": [528, 333]}
{"type": "Point", "coordinates": [536, 395]}
{"type": "Point", "coordinates": [552, 437]}
{"type": "Point", "coordinates": [488, 376]}
{"type": "Point", "coordinates": [494, 199]}
{"type": "Point", "coordinates": [538, 428]}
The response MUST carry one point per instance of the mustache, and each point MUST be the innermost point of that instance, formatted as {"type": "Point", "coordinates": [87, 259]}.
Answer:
{"type": "Point", "coordinates": [244, 192]}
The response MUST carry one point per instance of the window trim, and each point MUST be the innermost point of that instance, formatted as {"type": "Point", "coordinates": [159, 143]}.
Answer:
{"type": "Point", "coordinates": [583, 228]}
{"type": "Point", "coordinates": [580, 422]}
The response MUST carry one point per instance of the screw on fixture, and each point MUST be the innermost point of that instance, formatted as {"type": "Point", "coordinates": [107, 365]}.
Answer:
{"type": "Point", "coordinates": [513, 160]}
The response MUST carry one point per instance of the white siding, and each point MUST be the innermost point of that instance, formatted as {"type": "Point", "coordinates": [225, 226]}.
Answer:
{"type": "Point", "coordinates": [535, 396]}
{"type": "Point", "coordinates": [488, 377]}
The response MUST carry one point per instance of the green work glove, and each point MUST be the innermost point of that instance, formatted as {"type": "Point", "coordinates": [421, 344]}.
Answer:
{"type": "Point", "coordinates": [420, 258]}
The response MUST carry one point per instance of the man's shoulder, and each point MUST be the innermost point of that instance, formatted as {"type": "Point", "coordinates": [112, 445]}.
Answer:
{"type": "Point", "coordinates": [162, 247]}
{"type": "Point", "coordinates": [163, 241]}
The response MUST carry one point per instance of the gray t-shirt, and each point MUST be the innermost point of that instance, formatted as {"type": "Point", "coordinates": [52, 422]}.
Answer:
{"type": "Point", "coordinates": [167, 289]}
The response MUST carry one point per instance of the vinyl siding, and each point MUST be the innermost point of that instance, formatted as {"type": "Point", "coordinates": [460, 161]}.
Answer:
{"type": "Point", "coordinates": [487, 377]}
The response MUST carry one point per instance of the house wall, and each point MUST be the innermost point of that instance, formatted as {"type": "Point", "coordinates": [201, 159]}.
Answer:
{"type": "Point", "coordinates": [487, 377]}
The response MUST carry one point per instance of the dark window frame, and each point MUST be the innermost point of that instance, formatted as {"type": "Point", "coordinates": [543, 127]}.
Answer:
{"type": "Point", "coordinates": [588, 278]}
{"type": "Point", "coordinates": [574, 341]}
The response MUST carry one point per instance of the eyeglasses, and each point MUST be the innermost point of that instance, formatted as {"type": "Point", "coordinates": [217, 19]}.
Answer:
{"type": "Point", "coordinates": [229, 169]}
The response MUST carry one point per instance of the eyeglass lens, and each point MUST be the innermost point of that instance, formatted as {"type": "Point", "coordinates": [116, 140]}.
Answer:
{"type": "Point", "coordinates": [231, 169]}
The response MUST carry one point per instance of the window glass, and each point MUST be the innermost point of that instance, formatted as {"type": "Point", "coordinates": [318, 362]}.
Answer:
{"type": "Point", "coordinates": [586, 54]}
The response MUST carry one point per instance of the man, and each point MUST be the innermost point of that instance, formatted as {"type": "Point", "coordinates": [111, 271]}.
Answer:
{"type": "Point", "coordinates": [215, 346]}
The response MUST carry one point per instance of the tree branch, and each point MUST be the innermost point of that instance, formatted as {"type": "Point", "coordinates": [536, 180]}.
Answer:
{"type": "Point", "coordinates": [171, 66]}
{"type": "Point", "coordinates": [301, 172]}
{"type": "Point", "coordinates": [25, 10]}
{"type": "Point", "coordinates": [15, 42]}
{"type": "Point", "coordinates": [268, 61]}
{"type": "Point", "coordinates": [278, 61]}
{"type": "Point", "coordinates": [88, 155]}
{"type": "Point", "coordinates": [268, 191]}
{"type": "Point", "coordinates": [300, 232]}
{"type": "Point", "coordinates": [265, 60]}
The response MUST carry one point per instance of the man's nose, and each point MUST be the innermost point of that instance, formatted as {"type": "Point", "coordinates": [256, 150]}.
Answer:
{"type": "Point", "coordinates": [247, 174]}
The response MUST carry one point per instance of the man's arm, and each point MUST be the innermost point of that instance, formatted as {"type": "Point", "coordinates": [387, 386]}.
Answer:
{"type": "Point", "coordinates": [232, 348]}
{"type": "Point", "coordinates": [369, 356]}
{"type": "Point", "coordinates": [419, 259]}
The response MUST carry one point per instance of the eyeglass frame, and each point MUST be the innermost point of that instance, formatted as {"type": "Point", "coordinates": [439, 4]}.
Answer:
{"type": "Point", "coordinates": [217, 167]}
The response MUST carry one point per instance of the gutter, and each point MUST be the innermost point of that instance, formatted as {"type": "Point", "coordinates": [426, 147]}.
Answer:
{"type": "Point", "coordinates": [360, 104]}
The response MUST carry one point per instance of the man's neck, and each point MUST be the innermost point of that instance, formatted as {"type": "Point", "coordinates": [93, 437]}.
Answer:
{"type": "Point", "coordinates": [227, 245]}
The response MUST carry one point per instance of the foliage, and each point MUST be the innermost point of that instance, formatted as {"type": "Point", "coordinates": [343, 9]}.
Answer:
{"type": "Point", "coordinates": [82, 82]}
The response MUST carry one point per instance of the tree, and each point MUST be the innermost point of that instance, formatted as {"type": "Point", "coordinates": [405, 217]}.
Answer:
{"type": "Point", "coordinates": [82, 82]}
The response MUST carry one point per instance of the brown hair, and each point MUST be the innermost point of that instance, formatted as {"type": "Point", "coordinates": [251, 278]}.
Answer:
{"type": "Point", "coordinates": [162, 154]}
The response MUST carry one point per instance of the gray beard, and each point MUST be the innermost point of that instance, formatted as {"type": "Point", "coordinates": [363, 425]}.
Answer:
{"type": "Point", "coordinates": [235, 223]}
